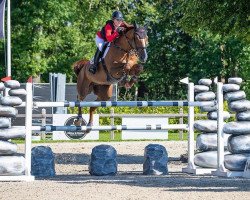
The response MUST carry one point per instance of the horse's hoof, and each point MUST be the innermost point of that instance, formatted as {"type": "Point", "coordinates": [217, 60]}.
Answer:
{"type": "Point", "coordinates": [78, 122]}
{"type": "Point", "coordinates": [89, 124]}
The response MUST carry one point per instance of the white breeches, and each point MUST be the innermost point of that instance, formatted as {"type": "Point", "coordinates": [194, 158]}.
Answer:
{"type": "Point", "coordinates": [99, 42]}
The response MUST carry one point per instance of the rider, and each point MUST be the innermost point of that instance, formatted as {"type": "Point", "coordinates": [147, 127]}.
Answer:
{"type": "Point", "coordinates": [112, 30]}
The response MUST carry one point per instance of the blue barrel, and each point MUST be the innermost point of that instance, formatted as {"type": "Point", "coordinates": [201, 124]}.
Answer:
{"type": "Point", "coordinates": [42, 162]}
{"type": "Point", "coordinates": [103, 161]}
{"type": "Point", "coordinates": [155, 160]}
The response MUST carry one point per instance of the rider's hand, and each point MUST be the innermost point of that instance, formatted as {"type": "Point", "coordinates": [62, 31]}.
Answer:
{"type": "Point", "coordinates": [120, 30]}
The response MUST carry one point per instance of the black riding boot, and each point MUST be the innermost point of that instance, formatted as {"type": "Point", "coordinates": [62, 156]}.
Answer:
{"type": "Point", "coordinates": [93, 68]}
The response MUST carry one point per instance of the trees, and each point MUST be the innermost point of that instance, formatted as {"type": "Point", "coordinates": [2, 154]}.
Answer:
{"type": "Point", "coordinates": [175, 54]}
{"type": "Point", "coordinates": [186, 38]}
{"type": "Point", "coordinates": [228, 20]}
{"type": "Point", "coordinates": [44, 34]}
{"type": "Point", "coordinates": [49, 36]}
{"type": "Point", "coordinates": [226, 17]}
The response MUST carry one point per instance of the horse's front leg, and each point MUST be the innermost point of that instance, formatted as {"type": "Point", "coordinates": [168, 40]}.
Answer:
{"type": "Point", "coordinates": [91, 115]}
{"type": "Point", "coordinates": [79, 119]}
{"type": "Point", "coordinates": [132, 81]}
{"type": "Point", "coordinates": [134, 72]}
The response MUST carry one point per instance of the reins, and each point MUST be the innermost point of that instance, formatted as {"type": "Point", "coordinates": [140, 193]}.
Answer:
{"type": "Point", "coordinates": [132, 51]}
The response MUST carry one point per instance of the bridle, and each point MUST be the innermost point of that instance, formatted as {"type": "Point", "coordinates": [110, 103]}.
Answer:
{"type": "Point", "coordinates": [142, 34]}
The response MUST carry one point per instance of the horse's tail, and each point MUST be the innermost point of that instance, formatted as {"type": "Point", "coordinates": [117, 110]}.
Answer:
{"type": "Point", "coordinates": [77, 66]}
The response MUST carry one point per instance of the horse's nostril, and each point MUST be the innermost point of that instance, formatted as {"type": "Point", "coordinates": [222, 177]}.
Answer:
{"type": "Point", "coordinates": [143, 59]}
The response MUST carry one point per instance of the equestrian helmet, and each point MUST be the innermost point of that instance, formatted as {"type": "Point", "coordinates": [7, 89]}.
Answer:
{"type": "Point", "coordinates": [117, 15]}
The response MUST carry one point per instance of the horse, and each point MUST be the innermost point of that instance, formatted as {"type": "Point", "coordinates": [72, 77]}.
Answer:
{"type": "Point", "coordinates": [121, 61]}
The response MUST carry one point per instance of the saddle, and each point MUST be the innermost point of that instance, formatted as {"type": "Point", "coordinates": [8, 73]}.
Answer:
{"type": "Point", "coordinates": [102, 55]}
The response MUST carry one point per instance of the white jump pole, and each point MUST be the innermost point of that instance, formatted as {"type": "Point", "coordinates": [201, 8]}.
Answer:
{"type": "Point", "coordinates": [110, 128]}
{"type": "Point", "coordinates": [190, 168]}
{"type": "Point", "coordinates": [118, 104]}
{"type": "Point", "coordinates": [28, 127]}
{"type": "Point", "coordinates": [28, 123]}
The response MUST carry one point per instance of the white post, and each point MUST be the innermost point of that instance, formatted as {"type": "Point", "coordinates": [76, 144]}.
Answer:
{"type": "Point", "coordinates": [191, 127]}
{"type": "Point", "coordinates": [191, 167]}
{"type": "Point", "coordinates": [43, 134]}
{"type": "Point", "coordinates": [181, 122]}
{"type": "Point", "coordinates": [28, 127]}
{"type": "Point", "coordinates": [8, 71]}
{"type": "Point", "coordinates": [220, 122]}
{"type": "Point", "coordinates": [221, 171]}
{"type": "Point", "coordinates": [112, 120]}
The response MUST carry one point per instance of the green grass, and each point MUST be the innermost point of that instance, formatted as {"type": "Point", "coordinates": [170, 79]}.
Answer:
{"type": "Point", "coordinates": [104, 136]}
{"type": "Point", "coordinates": [172, 136]}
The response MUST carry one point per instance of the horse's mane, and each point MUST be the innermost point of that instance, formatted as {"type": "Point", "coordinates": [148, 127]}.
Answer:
{"type": "Point", "coordinates": [129, 29]}
{"type": "Point", "coordinates": [141, 30]}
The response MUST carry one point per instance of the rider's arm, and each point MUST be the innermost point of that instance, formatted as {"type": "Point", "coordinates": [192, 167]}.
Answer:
{"type": "Point", "coordinates": [127, 25]}
{"type": "Point", "coordinates": [110, 37]}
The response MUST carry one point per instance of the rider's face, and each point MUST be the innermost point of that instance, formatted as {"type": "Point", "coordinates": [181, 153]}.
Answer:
{"type": "Point", "coordinates": [117, 22]}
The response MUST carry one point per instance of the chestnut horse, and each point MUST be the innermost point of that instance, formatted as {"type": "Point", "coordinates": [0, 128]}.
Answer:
{"type": "Point", "coordinates": [120, 61]}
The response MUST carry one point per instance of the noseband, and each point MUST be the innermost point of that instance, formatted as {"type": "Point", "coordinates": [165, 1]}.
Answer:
{"type": "Point", "coordinates": [141, 33]}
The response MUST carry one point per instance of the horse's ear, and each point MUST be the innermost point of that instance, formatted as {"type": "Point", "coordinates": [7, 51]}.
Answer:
{"type": "Point", "coordinates": [146, 26]}
{"type": "Point", "coordinates": [135, 25]}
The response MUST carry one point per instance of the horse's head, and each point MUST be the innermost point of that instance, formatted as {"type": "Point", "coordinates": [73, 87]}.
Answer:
{"type": "Point", "coordinates": [141, 41]}
{"type": "Point", "coordinates": [138, 40]}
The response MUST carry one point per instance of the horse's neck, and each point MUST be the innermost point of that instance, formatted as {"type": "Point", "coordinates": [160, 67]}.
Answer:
{"type": "Point", "coordinates": [119, 49]}
{"type": "Point", "coordinates": [124, 40]}
{"type": "Point", "coordinates": [118, 56]}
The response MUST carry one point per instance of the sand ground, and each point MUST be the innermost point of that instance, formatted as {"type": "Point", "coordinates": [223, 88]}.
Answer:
{"type": "Point", "coordinates": [74, 182]}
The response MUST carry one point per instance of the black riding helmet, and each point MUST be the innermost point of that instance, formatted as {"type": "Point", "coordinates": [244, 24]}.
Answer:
{"type": "Point", "coordinates": [117, 15]}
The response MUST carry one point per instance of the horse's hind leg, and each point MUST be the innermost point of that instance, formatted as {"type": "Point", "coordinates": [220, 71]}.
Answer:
{"type": "Point", "coordinates": [81, 95]}
{"type": "Point", "coordinates": [104, 93]}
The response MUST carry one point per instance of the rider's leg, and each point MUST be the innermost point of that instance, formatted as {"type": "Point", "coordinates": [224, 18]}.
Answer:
{"type": "Point", "coordinates": [99, 43]}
